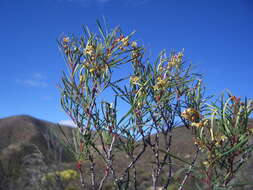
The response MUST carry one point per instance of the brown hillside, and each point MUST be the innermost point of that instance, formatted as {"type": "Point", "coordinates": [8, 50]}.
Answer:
{"type": "Point", "coordinates": [18, 132]}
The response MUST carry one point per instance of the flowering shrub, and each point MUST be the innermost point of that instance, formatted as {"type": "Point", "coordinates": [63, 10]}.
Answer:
{"type": "Point", "coordinates": [223, 135]}
{"type": "Point", "coordinates": [59, 179]}
{"type": "Point", "coordinates": [161, 96]}
{"type": "Point", "coordinates": [65, 175]}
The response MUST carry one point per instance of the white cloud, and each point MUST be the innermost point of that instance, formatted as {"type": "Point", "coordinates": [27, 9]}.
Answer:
{"type": "Point", "coordinates": [39, 76]}
{"type": "Point", "coordinates": [36, 80]}
{"type": "Point", "coordinates": [67, 122]}
{"type": "Point", "coordinates": [46, 98]}
{"type": "Point", "coordinates": [34, 83]}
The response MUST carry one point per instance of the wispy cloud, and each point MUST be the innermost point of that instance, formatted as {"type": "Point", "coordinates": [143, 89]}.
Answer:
{"type": "Point", "coordinates": [67, 122]}
{"type": "Point", "coordinates": [46, 98]}
{"type": "Point", "coordinates": [32, 83]}
{"type": "Point", "coordinates": [39, 76]}
{"type": "Point", "coordinates": [36, 80]}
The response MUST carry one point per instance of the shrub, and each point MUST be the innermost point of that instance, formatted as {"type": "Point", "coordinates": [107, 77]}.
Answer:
{"type": "Point", "coordinates": [160, 95]}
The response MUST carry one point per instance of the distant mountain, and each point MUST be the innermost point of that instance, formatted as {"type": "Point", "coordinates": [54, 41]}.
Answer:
{"type": "Point", "coordinates": [23, 137]}
{"type": "Point", "coordinates": [21, 130]}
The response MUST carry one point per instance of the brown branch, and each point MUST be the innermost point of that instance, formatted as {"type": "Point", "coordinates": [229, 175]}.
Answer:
{"type": "Point", "coordinates": [189, 170]}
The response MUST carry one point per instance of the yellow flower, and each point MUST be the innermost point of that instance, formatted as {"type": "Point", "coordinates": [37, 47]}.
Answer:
{"type": "Point", "coordinates": [217, 143]}
{"type": "Point", "coordinates": [68, 174]}
{"type": "Point", "coordinates": [191, 114]}
{"type": "Point", "coordinates": [206, 163]}
{"type": "Point", "coordinates": [180, 55]}
{"type": "Point", "coordinates": [109, 54]}
{"type": "Point", "coordinates": [139, 104]}
{"type": "Point", "coordinates": [134, 79]}
{"type": "Point", "coordinates": [65, 175]}
{"type": "Point", "coordinates": [200, 144]}
{"type": "Point", "coordinates": [65, 39]}
{"type": "Point", "coordinates": [92, 69]}
{"type": "Point", "coordinates": [197, 142]}
{"type": "Point", "coordinates": [125, 41]}
{"type": "Point", "coordinates": [135, 54]}
{"type": "Point", "coordinates": [105, 68]}
{"type": "Point", "coordinates": [160, 68]}
{"type": "Point", "coordinates": [250, 130]}
{"type": "Point", "coordinates": [134, 44]}
{"type": "Point", "coordinates": [223, 138]}
{"type": "Point", "coordinates": [170, 64]}
{"type": "Point", "coordinates": [81, 78]}
{"type": "Point", "coordinates": [89, 49]}
{"type": "Point", "coordinates": [160, 84]}
{"type": "Point", "coordinates": [175, 60]}
{"type": "Point", "coordinates": [156, 87]}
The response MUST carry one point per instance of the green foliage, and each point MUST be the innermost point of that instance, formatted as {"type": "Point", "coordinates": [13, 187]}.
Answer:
{"type": "Point", "coordinates": [222, 134]}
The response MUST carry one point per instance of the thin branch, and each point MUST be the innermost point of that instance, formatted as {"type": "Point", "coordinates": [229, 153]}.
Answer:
{"type": "Point", "coordinates": [187, 175]}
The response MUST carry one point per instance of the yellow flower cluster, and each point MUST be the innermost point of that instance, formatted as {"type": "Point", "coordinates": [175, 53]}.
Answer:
{"type": "Point", "coordinates": [89, 49]}
{"type": "Point", "coordinates": [81, 78]}
{"type": "Point", "coordinates": [250, 130]}
{"type": "Point", "coordinates": [125, 41]}
{"type": "Point", "coordinates": [99, 69]}
{"type": "Point", "coordinates": [160, 83]}
{"type": "Point", "coordinates": [206, 164]}
{"type": "Point", "coordinates": [223, 138]}
{"type": "Point", "coordinates": [135, 54]}
{"type": "Point", "coordinates": [175, 60]}
{"type": "Point", "coordinates": [219, 139]}
{"type": "Point", "coordinates": [134, 44]}
{"type": "Point", "coordinates": [191, 114]}
{"type": "Point", "coordinates": [200, 144]}
{"type": "Point", "coordinates": [139, 104]}
{"type": "Point", "coordinates": [68, 174]}
{"type": "Point", "coordinates": [134, 79]}
{"type": "Point", "coordinates": [93, 69]}
{"type": "Point", "coordinates": [65, 40]}
{"type": "Point", "coordinates": [65, 175]}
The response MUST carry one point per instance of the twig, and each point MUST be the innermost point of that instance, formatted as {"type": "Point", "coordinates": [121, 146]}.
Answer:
{"type": "Point", "coordinates": [92, 164]}
{"type": "Point", "coordinates": [187, 175]}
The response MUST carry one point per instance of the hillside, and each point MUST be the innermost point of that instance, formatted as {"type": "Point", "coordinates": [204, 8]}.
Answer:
{"type": "Point", "coordinates": [20, 130]}
{"type": "Point", "coordinates": [19, 133]}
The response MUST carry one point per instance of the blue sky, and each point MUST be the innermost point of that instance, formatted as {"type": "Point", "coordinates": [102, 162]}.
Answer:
{"type": "Point", "coordinates": [216, 35]}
